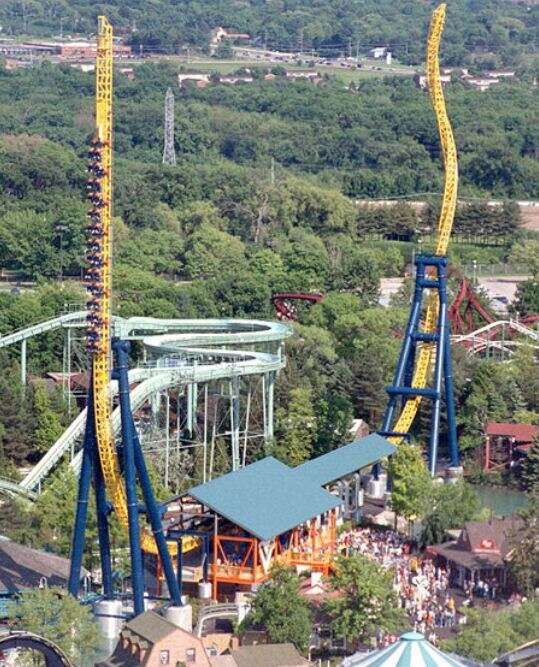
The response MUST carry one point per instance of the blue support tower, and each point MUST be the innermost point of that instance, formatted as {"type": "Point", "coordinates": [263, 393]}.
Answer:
{"type": "Point", "coordinates": [402, 382]}
{"type": "Point", "coordinates": [133, 467]}
{"type": "Point", "coordinates": [90, 466]}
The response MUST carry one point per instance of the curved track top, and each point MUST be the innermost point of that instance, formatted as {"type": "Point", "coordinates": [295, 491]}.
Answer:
{"type": "Point", "coordinates": [426, 353]}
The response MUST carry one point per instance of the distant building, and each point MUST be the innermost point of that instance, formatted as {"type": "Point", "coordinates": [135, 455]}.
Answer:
{"type": "Point", "coordinates": [152, 641]}
{"type": "Point", "coordinates": [312, 75]}
{"type": "Point", "coordinates": [80, 50]}
{"type": "Point", "coordinates": [482, 550]}
{"type": "Point", "coordinates": [84, 67]}
{"type": "Point", "coordinates": [378, 52]}
{"type": "Point", "coordinates": [421, 80]}
{"type": "Point", "coordinates": [235, 79]}
{"type": "Point", "coordinates": [129, 72]}
{"type": "Point", "coordinates": [23, 568]}
{"type": "Point", "coordinates": [501, 74]}
{"type": "Point", "coordinates": [506, 443]}
{"type": "Point", "coordinates": [219, 34]}
{"type": "Point", "coordinates": [359, 429]}
{"type": "Point", "coordinates": [195, 78]}
{"type": "Point", "coordinates": [481, 83]}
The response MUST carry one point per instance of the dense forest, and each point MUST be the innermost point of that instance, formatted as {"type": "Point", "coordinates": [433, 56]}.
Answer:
{"type": "Point", "coordinates": [487, 33]}
{"type": "Point", "coordinates": [216, 234]}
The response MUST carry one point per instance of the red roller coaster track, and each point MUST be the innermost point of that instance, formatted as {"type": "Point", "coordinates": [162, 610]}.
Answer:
{"type": "Point", "coordinates": [466, 303]}
{"type": "Point", "coordinates": [284, 306]}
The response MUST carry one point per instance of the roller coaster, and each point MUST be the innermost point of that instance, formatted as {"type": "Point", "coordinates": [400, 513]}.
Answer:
{"type": "Point", "coordinates": [425, 352]}
{"type": "Point", "coordinates": [183, 355]}
{"type": "Point", "coordinates": [52, 654]}
{"type": "Point", "coordinates": [426, 346]}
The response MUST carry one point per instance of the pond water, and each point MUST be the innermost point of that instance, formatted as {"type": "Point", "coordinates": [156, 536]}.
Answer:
{"type": "Point", "coordinates": [500, 500]}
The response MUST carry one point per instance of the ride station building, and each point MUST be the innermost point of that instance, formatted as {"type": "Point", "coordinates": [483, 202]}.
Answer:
{"type": "Point", "coordinates": [268, 513]}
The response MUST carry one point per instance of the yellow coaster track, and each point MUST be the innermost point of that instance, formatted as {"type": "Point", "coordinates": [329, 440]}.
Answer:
{"type": "Point", "coordinates": [101, 351]}
{"type": "Point", "coordinates": [426, 351]}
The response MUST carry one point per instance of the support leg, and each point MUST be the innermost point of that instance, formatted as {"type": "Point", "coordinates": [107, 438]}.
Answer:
{"type": "Point", "coordinates": [407, 346]}
{"type": "Point", "coordinates": [438, 373]}
{"type": "Point", "coordinates": [102, 511]}
{"type": "Point", "coordinates": [23, 362]}
{"type": "Point", "coordinates": [139, 465]}
{"type": "Point", "coordinates": [271, 392]}
{"type": "Point", "coordinates": [137, 571]}
{"type": "Point", "coordinates": [450, 402]}
{"type": "Point", "coordinates": [81, 516]}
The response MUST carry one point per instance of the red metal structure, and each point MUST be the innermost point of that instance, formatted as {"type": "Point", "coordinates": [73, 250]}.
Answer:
{"type": "Point", "coordinates": [462, 310]}
{"type": "Point", "coordinates": [284, 306]}
{"type": "Point", "coordinates": [505, 443]}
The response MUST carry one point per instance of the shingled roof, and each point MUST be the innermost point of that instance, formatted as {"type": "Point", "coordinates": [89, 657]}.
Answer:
{"type": "Point", "coordinates": [268, 655]}
{"type": "Point", "coordinates": [22, 567]}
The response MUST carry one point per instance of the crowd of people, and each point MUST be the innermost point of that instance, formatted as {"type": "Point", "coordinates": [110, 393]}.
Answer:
{"type": "Point", "coordinates": [422, 587]}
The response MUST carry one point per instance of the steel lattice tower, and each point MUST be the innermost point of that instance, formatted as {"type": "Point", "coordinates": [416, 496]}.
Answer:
{"type": "Point", "coordinates": [169, 154]}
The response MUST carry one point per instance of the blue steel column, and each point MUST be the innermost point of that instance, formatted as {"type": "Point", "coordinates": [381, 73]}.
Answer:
{"type": "Point", "coordinates": [154, 515]}
{"type": "Point", "coordinates": [121, 349]}
{"type": "Point", "coordinates": [450, 401]}
{"type": "Point", "coordinates": [407, 345]}
{"type": "Point", "coordinates": [81, 516]}
{"type": "Point", "coordinates": [102, 511]}
{"type": "Point", "coordinates": [137, 570]}
{"type": "Point", "coordinates": [438, 367]}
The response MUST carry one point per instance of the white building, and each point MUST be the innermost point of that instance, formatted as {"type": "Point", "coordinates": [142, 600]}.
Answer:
{"type": "Point", "coordinates": [378, 51]}
{"type": "Point", "coordinates": [194, 77]}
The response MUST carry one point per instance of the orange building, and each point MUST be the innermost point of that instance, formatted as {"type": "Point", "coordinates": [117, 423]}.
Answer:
{"type": "Point", "coordinates": [266, 514]}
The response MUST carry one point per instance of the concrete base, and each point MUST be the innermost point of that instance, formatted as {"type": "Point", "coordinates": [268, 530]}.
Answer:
{"type": "Point", "coordinates": [181, 616]}
{"type": "Point", "coordinates": [109, 619]}
{"type": "Point", "coordinates": [454, 474]}
{"type": "Point", "coordinates": [204, 590]}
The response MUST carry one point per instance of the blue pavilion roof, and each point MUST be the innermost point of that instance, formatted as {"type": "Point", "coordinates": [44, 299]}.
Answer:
{"type": "Point", "coordinates": [265, 498]}
{"type": "Point", "coordinates": [345, 460]}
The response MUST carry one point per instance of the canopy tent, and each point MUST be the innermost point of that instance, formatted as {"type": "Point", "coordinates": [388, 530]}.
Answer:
{"type": "Point", "coordinates": [411, 650]}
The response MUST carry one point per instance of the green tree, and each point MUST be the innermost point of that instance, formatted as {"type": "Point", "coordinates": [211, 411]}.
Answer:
{"type": "Point", "coordinates": [211, 251]}
{"type": "Point", "coordinates": [334, 414]}
{"type": "Point", "coordinates": [411, 484]}
{"type": "Point", "coordinates": [48, 423]}
{"type": "Point", "coordinates": [526, 253]}
{"type": "Point", "coordinates": [452, 505]}
{"type": "Point", "coordinates": [279, 609]}
{"type": "Point", "coordinates": [530, 469]}
{"type": "Point", "coordinates": [527, 298]}
{"type": "Point", "coordinates": [296, 428]}
{"type": "Point", "coordinates": [524, 559]}
{"type": "Point", "coordinates": [365, 601]}
{"type": "Point", "coordinates": [224, 50]}
{"type": "Point", "coordinates": [53, 614]}
{"type": "Point", "coordinates": [488, 634]}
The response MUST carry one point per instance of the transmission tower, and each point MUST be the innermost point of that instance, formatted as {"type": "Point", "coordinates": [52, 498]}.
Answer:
{"type": "Point", "coordinates": [169, 154]}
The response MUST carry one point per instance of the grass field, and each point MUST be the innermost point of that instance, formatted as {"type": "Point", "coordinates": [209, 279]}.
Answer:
{"type": "Point", "coordinates": [346, 75]}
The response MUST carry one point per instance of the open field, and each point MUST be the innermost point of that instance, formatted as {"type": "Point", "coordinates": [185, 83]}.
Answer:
{"type": "Point", "coordinates": [346, 75]}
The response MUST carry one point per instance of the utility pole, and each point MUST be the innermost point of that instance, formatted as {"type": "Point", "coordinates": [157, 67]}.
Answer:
{"type": "Point", "coordinates": [272, 177]}
{"type": "Point", "coordinates": [169, 154]}
{"type": "Point", "coordinates": [350, 48]}
{"type": "Point", "coordinates": [301, 40]}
